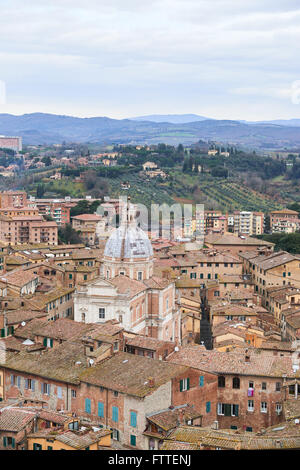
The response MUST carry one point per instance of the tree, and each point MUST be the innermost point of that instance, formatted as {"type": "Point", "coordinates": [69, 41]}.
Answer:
{"type": "Point", "coordinates": [40, 190]}
{"type": "Point", "coordinates": [67, 234]}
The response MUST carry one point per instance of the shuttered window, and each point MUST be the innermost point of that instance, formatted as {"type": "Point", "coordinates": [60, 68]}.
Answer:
{"type": "Point", "coordinates": [133, 419]}
{"type": "Point", "coordinates": [115, 414]}
{"type": "Point", "coordinates": [87, 406]}
{"type": "Point", "coordinates": [101, 409]}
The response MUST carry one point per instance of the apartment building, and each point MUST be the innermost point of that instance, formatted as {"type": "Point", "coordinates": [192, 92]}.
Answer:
{"type": "Point", "coordinates": [268, 269]}
{"type": "Point", "coordinates": [248, 223]}
{"type": "Point", "coordinates": [30, 229]}
{"type": "Point", "coordinates": [215, 222]}
{"type": "Point", "coordinates": [89, 226]}
{"type": "Point", "coordinates": [58, 210]}
{"type": "Point", "coordinates": [13, 199]}
{"type": "Point", "coordinates": [284, 220]}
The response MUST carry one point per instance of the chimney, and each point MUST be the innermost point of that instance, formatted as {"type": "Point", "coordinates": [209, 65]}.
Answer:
{"type": "Point", "coordinates": [181, 416]}
{"type": "Point", "coordinates": [151, 382]}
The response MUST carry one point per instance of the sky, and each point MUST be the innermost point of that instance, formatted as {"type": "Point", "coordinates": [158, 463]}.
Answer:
{"type": "Point", "coordinates": [225, 59]}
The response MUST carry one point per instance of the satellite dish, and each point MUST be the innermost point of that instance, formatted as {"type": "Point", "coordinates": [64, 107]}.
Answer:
{"type": "Point", "coordinates": [91, 361]}
{"type": "Point", "coordinates": [176, 348]}
{"type": "Point", "coordinates": [23, 323]}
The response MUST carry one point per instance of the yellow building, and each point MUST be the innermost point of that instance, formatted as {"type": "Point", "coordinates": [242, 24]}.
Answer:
{"type": "Point", "coordinates": [49, 439]}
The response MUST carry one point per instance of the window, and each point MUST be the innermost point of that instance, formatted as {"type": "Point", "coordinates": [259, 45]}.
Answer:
{"type": "Point", "coordinates": [278, 408]}
{"type": "Point", "coordinates": [277, 387]}
{"type": "Point", "coordinates": [225, 409]}
{"type": "Point", "coordinates": [184, 385]}
{"type": "Point", "coordinates": [59, 392]}
{"type": "Point", "coordinates": [133, 419]}
{"type": "Point", "coordinates": [201, 381]}
{"type": "Point", "coordinates": [30, 384]}
{"type": "Point", "coordinates": [45, 388]}
{"type": "Point", "coordinates": [87, 405]}
{"type": "Point", "coordinates": [221, 381]}
{"type": "Point", "coordinates": [115, 414]}
{"type": "Point", "coordinates": [250, 405]}
{"type": "Point", "coordinates": [251, 384]}
{"type": "Point", "coordinates": [116, 394]}
{"type": "Point", "coordinates": [101, 409]}
{"type": "Point", "coordinates": [9, 442]}
{"type": "Point", "coordinates": [115, 434]}
{"type": "Point", "coordinates": [133, 440]}
{"type": "Point", "coordinates": [140, 276]}
{"type": "Point", "coordinates": [242, 318]}
{"type": "Point", "coordinates": [229, 317]}
{"type": "Point", "coordinates": [37, 447]}
{"type": "Point", "coordinates": [263, 407]}
{"type": "Point", "coordinates": [235, 382]}
{"type": "Point", "coordinates": [73, 393]}
{"type": "Point", "coordinates": [101, 312]}
{"type": "Point", "coordinates": [208, 407]}
{"type": "Point", "coordinates": [193, 275]}
{"type": "Point", "coordinates": [264, 385]}
{"type": "Point", "coordinates": [248, 428]}
{"type": "Point", "coordinates": [217, 293]}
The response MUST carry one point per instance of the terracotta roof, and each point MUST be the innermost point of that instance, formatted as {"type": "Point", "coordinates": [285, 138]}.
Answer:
{"type": "Point", "coordinates": [77, 440]}
{"type": "Point", "coordinates": [229, 239]}
{"type": "Point", "coordinates": [168, 419]}
{"type": "Point", "coordinates": [15, 419]}
{"type": "Point", "coordinates": [146, 342]}
{"type": "Point", "coordinates": [130, 374]}
{"type": "Point", "coordinates": [19, 277]}
{"type": "Point", "coordinates": [18, 316]}
{"type": "Point", "coordinates": [234, 362]}
{"type": "Point", "coordinates": [63, 363]}
{"type": "Point", "coordinates": [125, 285]}
{"type": "Point", "coordinates": [93, 217]}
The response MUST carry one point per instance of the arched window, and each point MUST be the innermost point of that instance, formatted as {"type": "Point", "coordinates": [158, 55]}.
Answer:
{"type": "Point", "coordinates": [235, 382]}
{"type": "Point", "coordinates": [221, 381]}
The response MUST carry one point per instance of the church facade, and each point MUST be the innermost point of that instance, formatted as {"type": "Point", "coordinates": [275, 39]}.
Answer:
{"type": "Point", "coordinates": [127, 290]}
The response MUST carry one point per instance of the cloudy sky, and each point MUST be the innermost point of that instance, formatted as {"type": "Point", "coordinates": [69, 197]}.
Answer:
{"type": "Point", "coordinates": [233, 59]}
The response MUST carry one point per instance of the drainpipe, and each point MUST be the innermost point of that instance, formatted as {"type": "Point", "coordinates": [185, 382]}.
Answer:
{"type": "Point", "coordinates": [106, 411]}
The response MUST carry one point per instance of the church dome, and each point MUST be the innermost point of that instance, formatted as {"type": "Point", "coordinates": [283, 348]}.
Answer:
{"type": "Point", "coordinates": [128, 242]}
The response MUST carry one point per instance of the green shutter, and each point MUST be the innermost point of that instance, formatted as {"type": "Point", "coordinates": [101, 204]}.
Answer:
{"type": "Point", "coordinates": [13, 443]}
{"type": "Point", "coordinates": [201, 380]}
{"type": "Point", "coordinates": [133, 440]}
{"type": "Point", "coordinates": [187, 383]}
{"type": "Point", "coordinates": [4, 442]}
{"type": "Point", "coordinates": [100, 409]}
{"type": "Point", "coordinates": [227, 410]}
{"type": "Point", "coordinates": [45, 342]}
{"type": "Point", "coordinates": [51, 343]}
{"type": "Point", "coordinates": [181, 385]}
{"type": "Point", "coordinates": [133, 419]}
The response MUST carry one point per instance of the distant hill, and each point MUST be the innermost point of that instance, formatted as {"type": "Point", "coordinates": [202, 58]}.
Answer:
{"type": "Point", "coordinates": [40, 129]}
{"type": "Point", "coordinates": [285, 122]}
{"type": "Point", "coordinates": [172, 118]}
